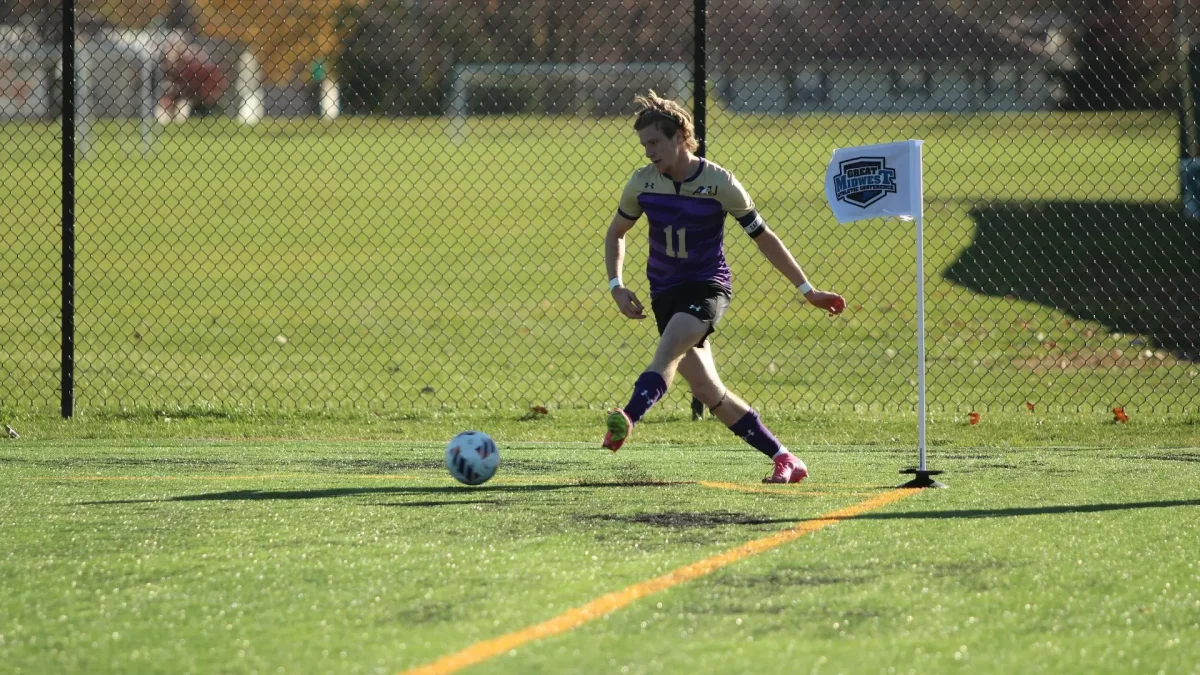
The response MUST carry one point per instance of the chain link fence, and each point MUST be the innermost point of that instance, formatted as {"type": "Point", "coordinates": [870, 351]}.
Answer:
{"type": "Point", "coordinates": [402, 203]}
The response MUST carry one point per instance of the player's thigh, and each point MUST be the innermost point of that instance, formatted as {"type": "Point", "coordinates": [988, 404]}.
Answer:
{"type": "Point", "coordinates": [682, 333]}
{"type": "Point", "coordinates": [698, 368]}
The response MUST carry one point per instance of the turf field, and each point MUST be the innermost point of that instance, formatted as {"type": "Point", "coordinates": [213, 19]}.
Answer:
{"type": "Point", "coordinates": [280, 326]}
{"type": "Point", "coordinates": [377, 264]}
{"type": "Point", "coordinates": [318, 543]}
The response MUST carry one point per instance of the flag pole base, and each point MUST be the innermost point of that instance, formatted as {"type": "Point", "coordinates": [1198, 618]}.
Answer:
{"type": "Point", "coordinates": [924, 479]}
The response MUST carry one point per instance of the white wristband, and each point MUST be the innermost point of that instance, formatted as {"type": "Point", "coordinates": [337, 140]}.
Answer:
{"type": "Point", "coordinates": [614, 283]}
{"type": "Point", "coordinates": [804, 288]}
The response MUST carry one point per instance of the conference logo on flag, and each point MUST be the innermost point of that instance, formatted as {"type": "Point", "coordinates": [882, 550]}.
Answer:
{"type": "Point", "coordinates": [862, 181]}
{"type": "Point", "coordinates": [875, 181]}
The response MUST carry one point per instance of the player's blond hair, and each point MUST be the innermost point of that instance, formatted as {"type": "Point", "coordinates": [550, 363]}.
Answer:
{"type": "Point", "coordinates": [667, 116]}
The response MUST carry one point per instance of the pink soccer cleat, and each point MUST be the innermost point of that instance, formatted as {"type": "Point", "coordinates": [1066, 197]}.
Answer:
{"type": "Point", "coordinates": [788, 469]}
{"type": "Point", "coordinates": [619, 426]}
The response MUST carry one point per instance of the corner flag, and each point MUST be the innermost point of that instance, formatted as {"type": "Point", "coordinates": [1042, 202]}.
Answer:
{"type": "Point", "coordinates": [884, 181]}
{"type": "Point", "coordinates": [875, 181]}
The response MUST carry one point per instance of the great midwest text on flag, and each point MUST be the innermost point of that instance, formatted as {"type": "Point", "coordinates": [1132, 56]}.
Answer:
{"type": "Point", "coordinates": [861, 178]}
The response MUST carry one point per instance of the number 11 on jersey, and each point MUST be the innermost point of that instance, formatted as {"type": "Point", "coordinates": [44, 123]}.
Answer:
{"type": "Point", "coordinates": [673, 252]}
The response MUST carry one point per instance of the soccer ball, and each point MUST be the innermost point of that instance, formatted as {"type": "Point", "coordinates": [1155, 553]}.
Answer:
{"type": "Point", "coordinates": [472, 457]}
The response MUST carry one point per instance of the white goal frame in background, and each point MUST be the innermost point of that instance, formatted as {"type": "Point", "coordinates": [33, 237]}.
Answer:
{"type": "Point", "coordinates": [590, 75]}
{"type": "Point", "coordinates": [95, 56]}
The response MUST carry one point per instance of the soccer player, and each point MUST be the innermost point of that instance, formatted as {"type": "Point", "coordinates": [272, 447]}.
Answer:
{"type": "Point", "coordinates": [685, 198]}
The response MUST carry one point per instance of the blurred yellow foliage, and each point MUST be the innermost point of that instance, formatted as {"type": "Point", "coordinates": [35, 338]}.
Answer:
{"type": "Point", "coordinates": [286, 35]}
{"type": "Point", "coordinates": [126, 13]}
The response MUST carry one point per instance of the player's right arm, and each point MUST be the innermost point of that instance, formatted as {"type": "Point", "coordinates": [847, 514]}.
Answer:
{"type": "Point", "coordinates": [614, 258]}
{"type": "Point", "coordinates": [628, 211]}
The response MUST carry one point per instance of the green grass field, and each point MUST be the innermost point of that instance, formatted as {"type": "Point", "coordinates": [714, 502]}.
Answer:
{"type": "Point", "coordinates": [331, 542]}
{"type": "Point", "coordinates": [375, 264]}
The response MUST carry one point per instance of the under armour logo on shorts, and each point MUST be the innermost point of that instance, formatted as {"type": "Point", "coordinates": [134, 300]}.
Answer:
{"type": "Point", "coordinates": [694, 308]}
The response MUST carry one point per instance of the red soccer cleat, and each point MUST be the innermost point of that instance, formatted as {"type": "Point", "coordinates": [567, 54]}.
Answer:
{"type": "Point", "coordinates": [619, 426]}
{"type": "Point", "coordinates": [788, 469]}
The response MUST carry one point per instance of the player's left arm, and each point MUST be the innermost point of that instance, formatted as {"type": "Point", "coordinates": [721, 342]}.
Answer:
{"type": "Point", "coordinates": [781, 258]}
{"type": "Point", "coordinates": [737, 203]}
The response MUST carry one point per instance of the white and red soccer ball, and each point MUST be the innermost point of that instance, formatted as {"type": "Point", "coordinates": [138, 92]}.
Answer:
{"type": "Point", "coordinates": [472, 457]}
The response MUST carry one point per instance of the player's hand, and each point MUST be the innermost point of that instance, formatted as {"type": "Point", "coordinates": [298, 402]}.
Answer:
{"type": "Point", "coordinates": [628, 303]}
{"type": "Point", "coordinates": [830, 302]}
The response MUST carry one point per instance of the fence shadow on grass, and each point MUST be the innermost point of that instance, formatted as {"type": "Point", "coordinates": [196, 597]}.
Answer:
{"type": "Point", "coordinates": [1135, 268]}
{"type": "Point", "coordinates": [1028, 510]}
{"type": "Point", "coordinates": [328, 493]}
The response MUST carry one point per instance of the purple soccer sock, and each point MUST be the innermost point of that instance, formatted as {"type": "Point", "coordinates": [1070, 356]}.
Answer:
{"type": "Point", "coordinates": [751, 429]}
{"type": "Point", "coordinates": [650, 387]}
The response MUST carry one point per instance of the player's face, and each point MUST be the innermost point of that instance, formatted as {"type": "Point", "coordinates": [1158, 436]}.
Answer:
{"type": "Point", "coordinates": [663, 152]}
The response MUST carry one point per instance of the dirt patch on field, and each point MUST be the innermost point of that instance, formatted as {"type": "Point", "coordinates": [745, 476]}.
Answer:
{"type": "Point", "coordinates": [790, 578]}
{"type": "Point", "coordinates": [1173, 457]}
{"type": "Point", "coordinates": [375, 466]}
{"type": "Point", "coordinates": [433, 463]}
{"type": "Point", "coordinates": [680, 519]}
{"type": "Point", "coordinates": [1097, 359]}
{"type": "Point", "coordinates": [456, 502]}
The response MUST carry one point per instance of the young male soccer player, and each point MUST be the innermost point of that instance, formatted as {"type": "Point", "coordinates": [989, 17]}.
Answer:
{"type": "Point", "coordinates": [685, 199]}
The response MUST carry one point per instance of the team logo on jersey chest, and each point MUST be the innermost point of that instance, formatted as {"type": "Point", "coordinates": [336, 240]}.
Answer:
{"type": "Point", "coordinates": [862, 181]}
{"type": "Point", "coordinates": [705, 191]}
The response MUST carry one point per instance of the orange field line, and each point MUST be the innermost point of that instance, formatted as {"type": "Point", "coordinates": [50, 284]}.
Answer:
{"type": "Point", "coordinates": [573, 618]}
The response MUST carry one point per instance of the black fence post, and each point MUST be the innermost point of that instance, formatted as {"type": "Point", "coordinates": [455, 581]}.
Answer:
{"type": "Point", "coordinates": [699, 76]}
{"type": "Point", "coordinates": [699, 108]}
{"type": "Point", "coordinates": [68, 209]}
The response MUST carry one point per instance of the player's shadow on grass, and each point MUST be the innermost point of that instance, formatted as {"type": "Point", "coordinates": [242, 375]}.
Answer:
{"type": "Point", "coordinates": [1135, 268]}
{"type": "Point", "coordinates": [328, 493]}
{"type": "Point", "coordinates": [1027, 510]}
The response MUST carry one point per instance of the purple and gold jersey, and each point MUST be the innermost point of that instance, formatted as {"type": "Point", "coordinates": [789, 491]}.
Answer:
{"type": "Point", "coordinates": [687, 222]}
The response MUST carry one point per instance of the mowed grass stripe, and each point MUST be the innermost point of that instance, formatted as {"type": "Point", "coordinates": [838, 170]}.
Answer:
{"type": "Point", "coordinates": [575, 617]}
{"type": "Point", "coordinates": [712, 485]}
{"type": "Point", "coordinates": [736, 487]}
{"type": "Point", "coordinates": [272, 476]}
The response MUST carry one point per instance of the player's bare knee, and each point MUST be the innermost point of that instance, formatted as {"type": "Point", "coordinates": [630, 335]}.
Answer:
{"type": "Point", "coordinates": [670, 352]}
{"type": "Point", "coordinates": [684, 331]}
{"type": "Point", "coordinates": [709, 392]}
{"type": "Point", "coordinates": [663, 363]}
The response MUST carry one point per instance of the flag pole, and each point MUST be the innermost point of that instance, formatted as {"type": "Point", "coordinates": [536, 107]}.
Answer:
{"type": "Point", "coordinates": [921, 335]}
{"type": "Point", "coordinates": [923, 475]}
{"type": "Point", "coordinates": [858, 182]}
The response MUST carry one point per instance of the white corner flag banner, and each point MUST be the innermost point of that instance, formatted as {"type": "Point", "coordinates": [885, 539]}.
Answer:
{"type": "Point", "coordinates": [884, 181]}
{"type": "Point", "coordinates": [875, 181]}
